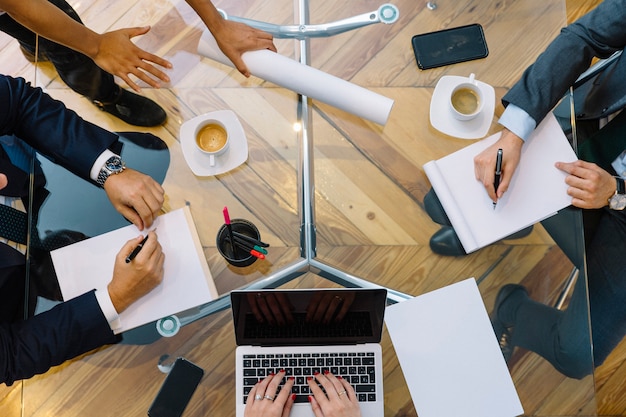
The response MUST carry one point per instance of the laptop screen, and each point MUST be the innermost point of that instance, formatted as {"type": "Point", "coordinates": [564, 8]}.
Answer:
{"type": "Point", "coordinates": [308, 317]}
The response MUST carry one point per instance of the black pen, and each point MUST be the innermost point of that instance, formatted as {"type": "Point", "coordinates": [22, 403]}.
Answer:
{"type": "Point", "coordinates": [135, 251]}
{"type": "Point", "coordinates": [496, 180]}
{"type": "Point", "coordinates": [251, 239]}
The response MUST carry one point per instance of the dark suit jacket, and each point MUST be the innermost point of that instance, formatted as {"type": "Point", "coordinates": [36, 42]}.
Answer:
{"type": "Point", "coordinates": [599, 33]}
{"type": "Point", "coordinates": [32, 346]}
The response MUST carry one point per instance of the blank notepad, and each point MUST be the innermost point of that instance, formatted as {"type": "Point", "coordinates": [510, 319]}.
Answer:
{"type": "Point", "coordinates": [187, 280]}
{"type": "Point", "coordinates": [449, 355]}
{"type": "Point", "coordinates": [537, 190]}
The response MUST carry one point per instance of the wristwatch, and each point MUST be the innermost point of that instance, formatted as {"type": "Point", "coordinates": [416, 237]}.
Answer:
{"type": "Point", "coordinates": [618, 200]}
{"type": "Point", "coordinates": [113, 165]}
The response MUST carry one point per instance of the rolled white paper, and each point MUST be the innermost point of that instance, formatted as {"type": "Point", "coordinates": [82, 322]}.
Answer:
{"type": "Point", "coordinates": [306, 80]}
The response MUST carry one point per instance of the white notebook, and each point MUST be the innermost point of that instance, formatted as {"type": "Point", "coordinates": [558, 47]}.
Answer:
{"type": "Point", "coordinates": [449, 354]}
{"type": "Point", "coordinates": [537, 191]}
{"type": "Point", "coordinates": [187, 281]}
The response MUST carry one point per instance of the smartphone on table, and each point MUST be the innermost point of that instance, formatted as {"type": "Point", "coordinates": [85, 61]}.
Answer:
{"type": "Point", "coordinates": [449, 46]}
{"type": "Point", "coordinates": [177, 389]}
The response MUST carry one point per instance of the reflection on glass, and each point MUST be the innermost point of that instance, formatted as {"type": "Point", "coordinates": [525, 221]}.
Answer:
{"type": "Point", "coordinates": [299, 317]}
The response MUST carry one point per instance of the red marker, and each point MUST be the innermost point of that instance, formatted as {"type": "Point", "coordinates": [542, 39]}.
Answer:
{"type": "Point", "coordinates": [257, 254]}
{"type": "Point", "coordinates": [230, 228]}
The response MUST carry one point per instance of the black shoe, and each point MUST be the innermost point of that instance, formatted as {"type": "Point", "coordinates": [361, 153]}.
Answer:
{"type": "Point", "coordinates": [434, 209]}
{"type": "Point", "coordinates": [503, 330]}
{"type": "Point", "coordinates": [446, 242]}
{"type": "Point", "coordinates": [134, 109]}
{"type": "Point", "coordinates": [30, 56]}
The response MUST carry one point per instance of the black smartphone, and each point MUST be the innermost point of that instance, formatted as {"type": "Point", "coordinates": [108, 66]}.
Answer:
{"type": "Point", "coordinates": [177, 389]}
{"type": "Point", "coordinates": [449, 46]}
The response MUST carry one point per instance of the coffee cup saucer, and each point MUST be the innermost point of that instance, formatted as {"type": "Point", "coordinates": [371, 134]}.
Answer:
{"type": "Point", "coordinates": [442, 119]}
{"type": "Point", "coordinates": [198, 161]}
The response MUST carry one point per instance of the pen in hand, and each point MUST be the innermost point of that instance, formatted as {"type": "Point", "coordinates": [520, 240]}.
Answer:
{"type": "Point", "coordinates": [135, 251]}
{"type": "Point", "coordinates": [496, 180]}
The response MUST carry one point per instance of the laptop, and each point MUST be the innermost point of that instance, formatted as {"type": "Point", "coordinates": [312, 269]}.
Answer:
{"type": "Point", "coordinates": [308, 331]}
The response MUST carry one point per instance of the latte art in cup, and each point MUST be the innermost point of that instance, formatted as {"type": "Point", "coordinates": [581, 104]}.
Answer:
{"type": "Point", "coordinates": [211, 137]}
{"type": "Point", "coordinates": [465, 101]}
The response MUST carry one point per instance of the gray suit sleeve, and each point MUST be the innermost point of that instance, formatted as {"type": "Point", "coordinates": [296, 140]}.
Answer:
{"type": "Point", "coordinates": [599, 33]}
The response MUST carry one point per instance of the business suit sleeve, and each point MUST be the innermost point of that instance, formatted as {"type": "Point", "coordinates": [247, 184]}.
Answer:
{"type": "Point", "coordinates": [597, 34]}
{"type": "Point", "coordinates": [70, 329]}
{"type": "Point", "coordinates": [49, 127]}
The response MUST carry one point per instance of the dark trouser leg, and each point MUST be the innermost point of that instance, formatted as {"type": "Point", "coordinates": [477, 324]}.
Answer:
{"type": "Point", "coordinates": [562, 337]}
{"type": "Point", "coordinates": [78, 71]}
{"type": "Point", "coordinates": [606, 266]}
{"type": "Point", "coordinates": [12, 284]}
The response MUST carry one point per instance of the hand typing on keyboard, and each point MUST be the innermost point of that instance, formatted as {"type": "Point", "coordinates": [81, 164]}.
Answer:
{"type": "Point", "coordinates": [266, 400]}
{"type": "Point", "coordinates": [331, 396]}
{"type": "Point", "coordinates": [335, 397]}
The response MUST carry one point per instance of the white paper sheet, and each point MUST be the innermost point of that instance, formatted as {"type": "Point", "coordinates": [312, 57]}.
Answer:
{"type": "Point", "coordinates": [538, 189]}
{"type": "Point", "coordinates": [187, 281]}
{"type": "Point", "coordinates": [306, 80]}
{"type": "Point", "coordinates": [449, 355]}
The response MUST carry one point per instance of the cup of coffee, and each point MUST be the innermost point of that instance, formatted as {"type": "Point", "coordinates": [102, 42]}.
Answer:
{"type": "Point", "coordinates": [238, 253]}
{"type": "Point", "coordinates": [466, 99]}
{"type": "Point", "coordinates": [212, 139]}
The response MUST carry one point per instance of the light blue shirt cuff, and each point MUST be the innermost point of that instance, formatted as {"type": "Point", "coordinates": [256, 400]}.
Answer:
{"type": "Point", "coordinates": [619, 165]}
{"type": "Point", "coordinates": [518, 121]}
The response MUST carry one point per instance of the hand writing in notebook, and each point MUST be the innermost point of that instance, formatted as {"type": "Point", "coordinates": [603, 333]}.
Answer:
{"type": "Point", "coordinates": [267, 400]}
{"type": "Point", "coordinates": [484, 162]}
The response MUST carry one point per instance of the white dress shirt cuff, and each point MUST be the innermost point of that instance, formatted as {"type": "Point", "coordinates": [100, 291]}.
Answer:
{"type": "Point", "coordinates": [106, 305]}
{"type": "Point", "coordinates": [518, 121]}
{"type": "Point", "coordinates": [97, 166]}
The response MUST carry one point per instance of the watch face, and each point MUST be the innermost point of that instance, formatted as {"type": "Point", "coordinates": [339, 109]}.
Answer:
{"type": "Point", "coordinates": [114, 164]}
{"type": "Point", "coordinates": [618, 202]}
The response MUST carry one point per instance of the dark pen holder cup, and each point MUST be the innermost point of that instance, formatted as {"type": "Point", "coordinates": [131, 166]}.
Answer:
{"type": "Point", "coordinates": [234, 254]}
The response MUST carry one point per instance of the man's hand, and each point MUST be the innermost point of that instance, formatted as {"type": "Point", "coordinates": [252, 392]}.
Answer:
{"type": "Point", "coordinates": [135, 279]}
{"type": "Point", "coordinates": [119, 56]}
{"type": "Point", "coordinates": [235, 38]}
{"type": "Point", "coordinates": [136, 196]}
{"type": "Point", "coordinates": [485, 163]}
{"type": "Point", "coordinates": [589, 185]}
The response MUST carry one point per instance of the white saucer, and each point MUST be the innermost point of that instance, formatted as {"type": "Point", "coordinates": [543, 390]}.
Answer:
{"type": "Point", "coordinates": [235, 155]}
{"type": "Point", "coordinates": [441, 115]}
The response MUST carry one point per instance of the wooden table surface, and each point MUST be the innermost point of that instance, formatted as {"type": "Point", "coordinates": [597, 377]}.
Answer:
{"type": "Point", "coordinates": [369, 188]}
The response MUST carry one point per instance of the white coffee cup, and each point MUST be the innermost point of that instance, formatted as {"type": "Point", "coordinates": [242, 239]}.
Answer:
{"type": "Point", "coordinates": [466, 99]}
{"type": "Point", "coordinates": [211, 138]}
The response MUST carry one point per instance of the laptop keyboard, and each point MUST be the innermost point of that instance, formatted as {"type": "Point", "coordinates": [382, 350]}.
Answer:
{"type": "Point", "coordinates": [358, 368]}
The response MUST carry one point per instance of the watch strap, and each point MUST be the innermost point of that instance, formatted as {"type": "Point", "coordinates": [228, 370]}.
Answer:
{"type": "Point", "coordinates": [620, 188]}
{"type": "Point", "coordinates": [102, 177]}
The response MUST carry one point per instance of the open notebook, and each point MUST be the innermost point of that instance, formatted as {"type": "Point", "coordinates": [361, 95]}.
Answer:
{"type": "Point", "coordinates": [187, 281]}
{"type": "Point", "coordinates": [537, 191]}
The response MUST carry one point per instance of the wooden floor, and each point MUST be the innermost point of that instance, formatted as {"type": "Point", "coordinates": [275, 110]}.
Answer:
{"type": "Point", "coordinates": [342, 228]}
